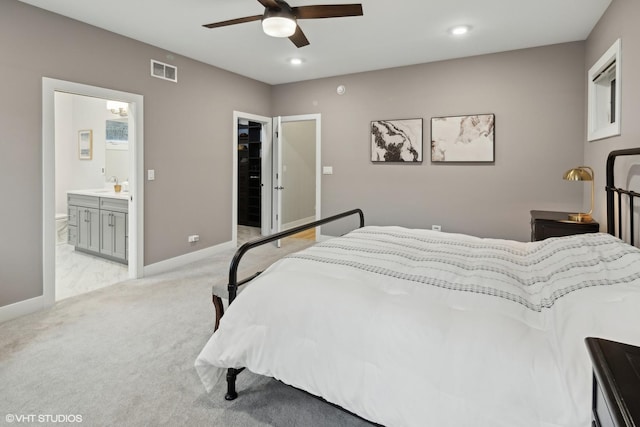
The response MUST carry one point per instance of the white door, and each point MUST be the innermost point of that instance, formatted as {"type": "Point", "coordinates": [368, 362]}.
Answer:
{"type": "Point", "coordinates": [276, 180]}
{"type": "Point", "coordinates": [283, 199]}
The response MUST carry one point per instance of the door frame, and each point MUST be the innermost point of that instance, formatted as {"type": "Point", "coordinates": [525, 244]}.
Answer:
{"type": "Point", "coordinates": [267, 169]}
{"type": "Point", "coordinates": [136, 179]}
{"type": "Point", "coordinates": [265, 202]}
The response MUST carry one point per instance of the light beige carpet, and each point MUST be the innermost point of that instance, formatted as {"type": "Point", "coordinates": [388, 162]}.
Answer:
{"type": "Point", "coordinates": [123, 356]}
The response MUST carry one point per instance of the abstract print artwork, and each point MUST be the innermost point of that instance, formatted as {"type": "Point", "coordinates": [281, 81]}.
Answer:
{"type": "Point", "coordinates": [396, 140]}
{"type": "Point", "coordinates": [463, 138]}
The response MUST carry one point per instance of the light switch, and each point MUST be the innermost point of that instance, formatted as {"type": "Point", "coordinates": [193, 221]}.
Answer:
{"type": "Point", "coordinates": [327, 170]}
{"type": "Point", "coordinates": [151, 174]}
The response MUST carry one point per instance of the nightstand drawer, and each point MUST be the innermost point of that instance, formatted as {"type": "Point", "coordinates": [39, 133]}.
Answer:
{"type": "Point", "coordinates": [545, 224]}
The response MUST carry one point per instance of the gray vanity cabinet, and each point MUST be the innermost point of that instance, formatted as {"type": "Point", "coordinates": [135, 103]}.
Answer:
{"type": "Point", "coordinates": [113, 228]}
{"type": "Point", "coordinates": [88, 229]}
{"type": "Point", "coordinates": [98, 225]}
{"type": "Point", "coordinates": [72, 236]}
{"type": "Point", "coordinates": [84, 222]}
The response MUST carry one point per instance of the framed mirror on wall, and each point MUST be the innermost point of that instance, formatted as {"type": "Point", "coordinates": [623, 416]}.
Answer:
{"type": "Point", "coordinates": [117, 149]}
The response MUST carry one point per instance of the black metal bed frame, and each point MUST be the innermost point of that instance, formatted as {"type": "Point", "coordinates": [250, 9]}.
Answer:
{"type": "Point", "coordinates": [233, 285]}
{"type": "Point", "coordinates": [612, 191]}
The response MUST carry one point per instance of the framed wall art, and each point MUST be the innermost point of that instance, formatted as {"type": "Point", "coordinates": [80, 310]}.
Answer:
{"type": "Point", "coordinates": [85, 144]}
{"type": "Point", "coordinates": [396, 141]}
{"type": "Point", "coordinates": [463, 139]}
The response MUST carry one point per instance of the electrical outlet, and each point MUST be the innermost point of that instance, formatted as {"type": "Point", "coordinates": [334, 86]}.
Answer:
{"type": "Point", "coordinates": [436, 228]}
{"type": "Point", "coordinates": [193, 238]}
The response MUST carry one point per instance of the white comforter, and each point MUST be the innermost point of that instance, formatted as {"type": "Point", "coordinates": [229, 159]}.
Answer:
{"type": "Point", "coordinates": [419, 328]}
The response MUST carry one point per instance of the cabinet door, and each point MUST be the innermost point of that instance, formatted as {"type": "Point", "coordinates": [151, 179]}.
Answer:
{"type": "Point", "coordinates": [113, 234]}
{"type": "Point", "coordinates": [120, 235]}
{"type": "Point", "coordinates": [106, 233]}
{"type": "Point", "coordinates": [88, 233]}
{"type": "Point", "coordinates": [72, 211]}
{"type": "Point", "coordinates": [72, 224]}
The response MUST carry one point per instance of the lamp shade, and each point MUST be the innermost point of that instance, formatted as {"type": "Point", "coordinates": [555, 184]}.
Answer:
{"type": "Point", "coordinates": [279, 23]}
{"type": "Point", "coordinates": [581, 173]}
{"type": "Point", "coordinates": [578, 174]}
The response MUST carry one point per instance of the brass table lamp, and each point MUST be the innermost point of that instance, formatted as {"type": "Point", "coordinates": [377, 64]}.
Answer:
{"type": "Point", "coordinates": [581, 173]}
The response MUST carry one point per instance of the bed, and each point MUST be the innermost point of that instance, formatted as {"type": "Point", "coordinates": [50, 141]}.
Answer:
{"type": "Point", "coordinates": [415, 327]}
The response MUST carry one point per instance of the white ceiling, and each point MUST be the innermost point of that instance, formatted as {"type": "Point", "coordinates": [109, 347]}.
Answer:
{"type": "Point", "coordinates": [391, 33]}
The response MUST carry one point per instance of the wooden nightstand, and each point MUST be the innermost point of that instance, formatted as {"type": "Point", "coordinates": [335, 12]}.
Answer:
{"type": "Point", "coordinates": [556, 224]}
{"type": "Point", "coordinates": [616, 383]}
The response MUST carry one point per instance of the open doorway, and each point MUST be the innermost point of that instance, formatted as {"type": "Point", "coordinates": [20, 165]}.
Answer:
{"type": "Point", "coordinates": [112, 215]}
{"type": "Point", "coordinates": [92, 170]}
{"type": "Point", "coordinates": [289, 160]}
{"type": "Point", "coordinates": [250, 186]}
{"type": "Point", "coordinates": [251, 147]}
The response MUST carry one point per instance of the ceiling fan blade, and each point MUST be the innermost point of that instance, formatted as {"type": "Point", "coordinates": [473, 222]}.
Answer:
{"type": "Point", "coordinates": [327, 11]}
{"type": "Point", "coordinates": [233, 21]}
{"type": "Point", "coordinates": [298, 38]}
{"type": "Point", "coordinates": [269, 3]}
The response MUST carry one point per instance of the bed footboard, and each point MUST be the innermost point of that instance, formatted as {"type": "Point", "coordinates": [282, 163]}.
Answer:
{"type": "Point", "coordinates": [234, 283]}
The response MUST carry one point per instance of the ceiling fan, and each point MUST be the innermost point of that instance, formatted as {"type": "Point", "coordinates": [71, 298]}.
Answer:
{"type": "Point", "coordinates": [280, 20]}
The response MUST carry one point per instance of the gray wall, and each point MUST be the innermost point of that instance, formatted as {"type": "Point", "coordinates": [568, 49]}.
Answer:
{"type": "Point", "coordinates": [537, 96]}
{"type": "Point", "coordinates": [188, 126]}
{"type": "Point", "coordinates": [619, 21]}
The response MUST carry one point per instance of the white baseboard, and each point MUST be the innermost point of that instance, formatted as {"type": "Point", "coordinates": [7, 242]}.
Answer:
{"type": "Point", "coordinates": [298, 222]}
{"type": "Point", "coordinates": [182, 260]}
{"type": "Point", "coordinates": [21, 308]}
{"type": "Point", "coordinates": [32, 305]}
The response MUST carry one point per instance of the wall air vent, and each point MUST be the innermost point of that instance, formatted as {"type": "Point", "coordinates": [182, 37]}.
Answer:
{"type": "Point", "coordinates": [164, 71]}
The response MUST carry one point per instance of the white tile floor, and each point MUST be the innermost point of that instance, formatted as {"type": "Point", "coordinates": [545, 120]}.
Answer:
{"type": "Point", "coordinates": [78, 273]}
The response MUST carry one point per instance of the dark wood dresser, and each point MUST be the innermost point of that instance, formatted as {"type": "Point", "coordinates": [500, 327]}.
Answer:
{"type": "Point", "coordinates": [546, 224]}
{"type": "Point", "coordinates": [616, 383]}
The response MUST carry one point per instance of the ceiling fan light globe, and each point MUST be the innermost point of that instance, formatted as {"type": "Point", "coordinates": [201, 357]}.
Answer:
{"type": "Point", "coordinates": [278, 26]}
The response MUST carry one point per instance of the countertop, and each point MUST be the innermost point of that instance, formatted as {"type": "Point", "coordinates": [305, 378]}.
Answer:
{"type": "Point", "coordinates": [102, 192]}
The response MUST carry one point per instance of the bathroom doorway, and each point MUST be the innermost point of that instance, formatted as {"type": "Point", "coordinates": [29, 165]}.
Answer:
{"type": "Point", "coordinates": [92, 148]}
{"type": "Point", "coordinates": [87, 174]}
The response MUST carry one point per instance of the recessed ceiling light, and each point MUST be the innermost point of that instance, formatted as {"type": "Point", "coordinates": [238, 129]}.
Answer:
{"type": "Point", "coordinates": [460, 30]}
{"type": "Point", "coordinates": [296, 61]}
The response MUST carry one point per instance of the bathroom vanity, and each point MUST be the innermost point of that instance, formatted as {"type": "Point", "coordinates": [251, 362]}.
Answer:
{"type": "Point", "coordinates": [98, 223]}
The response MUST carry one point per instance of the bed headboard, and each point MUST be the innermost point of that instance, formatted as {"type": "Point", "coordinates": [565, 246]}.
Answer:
{"type": "Point", "coordinates": [615, 204]}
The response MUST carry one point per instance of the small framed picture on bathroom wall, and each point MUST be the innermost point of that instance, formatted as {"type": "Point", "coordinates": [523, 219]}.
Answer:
{"type": "Point", "coordinates": [85, 144]}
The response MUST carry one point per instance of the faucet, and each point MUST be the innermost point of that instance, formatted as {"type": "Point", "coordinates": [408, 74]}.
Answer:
{"type": "Point", "coordinates": [113, 179]}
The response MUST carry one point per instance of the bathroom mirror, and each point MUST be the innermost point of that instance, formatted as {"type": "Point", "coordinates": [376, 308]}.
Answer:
{"type": "Point", "coordinates": [117, 149]}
